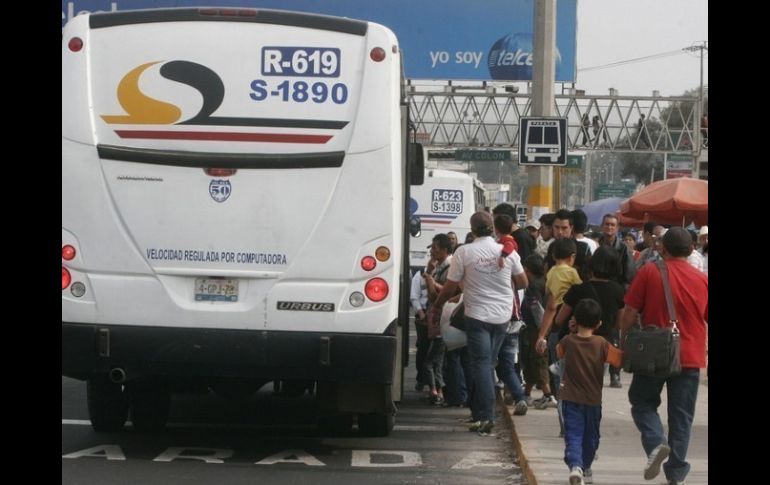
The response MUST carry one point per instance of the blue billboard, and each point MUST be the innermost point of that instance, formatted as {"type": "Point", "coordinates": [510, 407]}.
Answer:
{"type": "Point", "coordinates": [441, 39]}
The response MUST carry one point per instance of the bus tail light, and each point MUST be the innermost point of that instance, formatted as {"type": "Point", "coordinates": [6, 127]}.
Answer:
{"type": "Point", "coordinates": [377, 54]}
{"type": "Point", "coordinates": [376, 289]}
{"type": "Point", "coordinates": [67, 252]}
{"type": "Point", "coordinates": [220, 172]}
{"type": "Point", "coordinates": [368, 263]}
{"type": "Point", "coordinates": [75, 44]}
{"type": "Point", "coordinates": [66, 279]}
{"type": "Point", "coordinates": [382, 254]}
{"type": "Point", "coordinates": [357, 299]}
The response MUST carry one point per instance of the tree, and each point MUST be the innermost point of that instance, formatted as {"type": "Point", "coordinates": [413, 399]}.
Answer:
{"type": "Point", "coordinates": [641, 165]}
{"type": "Point", "coordinates": [679, 115]}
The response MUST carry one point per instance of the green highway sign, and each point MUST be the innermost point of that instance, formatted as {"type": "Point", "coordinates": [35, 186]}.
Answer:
{"type": "Point", "coordinates": [604, 191]}
{"type": "Point", "coordinates": [575, 160]}
{"type": "Point", "coordinates": [471, 155]}
{"type": "Point", "coordinates": [679, 157]}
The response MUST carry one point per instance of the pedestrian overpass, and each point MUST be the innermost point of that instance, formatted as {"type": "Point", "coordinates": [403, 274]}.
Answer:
{"type": "Point", "coordinates": [485, 116]}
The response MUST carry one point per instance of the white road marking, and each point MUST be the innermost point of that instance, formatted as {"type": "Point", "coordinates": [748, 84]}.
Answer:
{"type": "Point", "coordinates": [291, 456]}
{"type": "Point", "coordinates": [111, 452]}
{"type": "Point", "coordinates": [483, 459]}
{"type": "Point", "coordinates": [213, 455]}
{"type": "Point", "coordinates": [403, 427]}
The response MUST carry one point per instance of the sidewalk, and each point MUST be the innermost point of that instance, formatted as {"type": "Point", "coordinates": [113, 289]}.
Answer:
{"type": "Point", "coordinates": [621, 459]}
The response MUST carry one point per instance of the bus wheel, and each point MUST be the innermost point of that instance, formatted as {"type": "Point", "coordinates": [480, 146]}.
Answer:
{"type": "Point", "coordinates": [376, 424]}
{"type": "Point", "coordinates": [335, 424]}
{"type": "Point", "coordinates": [149, 403]}
{"type": "Point", "coordinates": [107, 405]}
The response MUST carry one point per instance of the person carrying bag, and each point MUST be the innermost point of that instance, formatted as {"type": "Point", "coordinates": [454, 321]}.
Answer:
{"type": "Point", "coordinates": [676, 302]}
{"type": "Point", "coordinates": [652, 350]}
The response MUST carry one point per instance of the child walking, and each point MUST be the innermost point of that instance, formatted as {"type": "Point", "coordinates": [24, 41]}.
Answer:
{"type": "Point", "coordinates": [581, 389]}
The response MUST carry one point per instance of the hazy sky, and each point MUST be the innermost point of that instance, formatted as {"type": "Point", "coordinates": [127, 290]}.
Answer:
{"type": "Point", "coordinates": [609, 31]}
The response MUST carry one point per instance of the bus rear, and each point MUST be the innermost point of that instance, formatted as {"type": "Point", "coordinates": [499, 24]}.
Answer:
{"type": "Point", "coordinates": [443, 203]}
{"type": "Point", "coordinates": [232, 208]}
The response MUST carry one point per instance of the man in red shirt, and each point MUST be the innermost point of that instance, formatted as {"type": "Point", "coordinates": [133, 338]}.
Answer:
{"type": "Point", "coordinates": [689, 290]}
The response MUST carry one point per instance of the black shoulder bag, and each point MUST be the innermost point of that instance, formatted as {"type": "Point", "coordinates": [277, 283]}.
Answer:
{"type": "Point", "coordinates": [652, 350]}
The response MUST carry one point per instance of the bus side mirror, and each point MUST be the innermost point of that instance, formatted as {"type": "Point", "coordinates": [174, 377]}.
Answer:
{"type": "Point", "coordinates": [416, 163]}
{"type": "Point", "coordinates": [415, 226]}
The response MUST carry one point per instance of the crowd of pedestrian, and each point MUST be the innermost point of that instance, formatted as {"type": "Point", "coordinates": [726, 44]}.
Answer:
{"type": "Point", "coordinates": [545, 306]}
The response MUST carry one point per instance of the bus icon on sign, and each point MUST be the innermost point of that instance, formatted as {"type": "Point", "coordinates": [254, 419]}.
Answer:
{"type": "Point", "coordinates": [543, 141]}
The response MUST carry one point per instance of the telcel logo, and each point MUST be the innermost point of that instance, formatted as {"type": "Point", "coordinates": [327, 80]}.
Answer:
{"type": "Point", "coordinates": [508, 58]}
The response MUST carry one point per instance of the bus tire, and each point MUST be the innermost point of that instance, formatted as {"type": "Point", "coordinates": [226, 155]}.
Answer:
{"type": "Point", "coordinates": [149, 404]}
{"type": "Point", "coordinates": [376, 424]}
{"type": "Point", "coordinates": [107, 405]}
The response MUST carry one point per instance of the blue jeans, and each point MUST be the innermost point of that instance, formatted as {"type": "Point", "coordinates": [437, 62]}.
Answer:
{"type": "Point", "coordinates": [682, 391]}
{"type": "Point", "coordinates": [506, 367]}
{"type": "Point", "coordinates": [484, 341]}
{"type": "Point", "coordinates": [581, 433]}
{"type": "Point", "coordinates": [456, 392]}
{"type": "Point", "coordinates": [422, 350]}
{"type": "Point", "coordinates": [434, 363]}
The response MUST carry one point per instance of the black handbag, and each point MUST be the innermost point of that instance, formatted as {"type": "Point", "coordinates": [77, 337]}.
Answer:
{"type": "Point", "coordinates": [457, 319]}
{"type": "Point", "coordinates": [652, 350]}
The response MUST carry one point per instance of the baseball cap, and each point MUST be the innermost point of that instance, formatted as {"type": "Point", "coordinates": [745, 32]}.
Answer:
{"type": "Point", "coordinates": [704, 231]}
{"type": "Point", "coordinates": [532, 223]}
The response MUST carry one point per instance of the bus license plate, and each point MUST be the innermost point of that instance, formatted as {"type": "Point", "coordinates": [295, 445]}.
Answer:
{"type": "Point", "coordinates": [216, 289]}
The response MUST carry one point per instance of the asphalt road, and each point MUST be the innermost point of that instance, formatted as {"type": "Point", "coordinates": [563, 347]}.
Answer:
{"type": "Point", "coordinates": [268, 439]}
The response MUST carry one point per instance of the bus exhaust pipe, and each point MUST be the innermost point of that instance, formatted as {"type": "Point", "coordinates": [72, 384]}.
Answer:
{"type": "Point", "coordinates": [117, 375]}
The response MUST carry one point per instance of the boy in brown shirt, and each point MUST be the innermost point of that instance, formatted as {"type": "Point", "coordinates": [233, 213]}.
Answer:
{"type": "Point", "coordinates": [581, 389]}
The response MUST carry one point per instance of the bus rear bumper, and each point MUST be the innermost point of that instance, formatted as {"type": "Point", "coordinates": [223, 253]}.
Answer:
{"type": "Point", "coordinates": [92, 349]}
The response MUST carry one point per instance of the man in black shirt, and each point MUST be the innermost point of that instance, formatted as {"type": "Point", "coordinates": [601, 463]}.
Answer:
{"type": "Point", "coordinates": [610, 238]}
{"type": "Point", "coordinates": [562, 228]}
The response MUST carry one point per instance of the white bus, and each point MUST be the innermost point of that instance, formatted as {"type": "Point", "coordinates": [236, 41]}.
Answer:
{"type": "Point", "coordinates": [443, 203]}
{"type": "Point", "coordinates": [234, 207]}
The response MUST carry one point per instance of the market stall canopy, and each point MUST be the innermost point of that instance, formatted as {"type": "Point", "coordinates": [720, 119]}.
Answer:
{"type": "Point", "coordinates": [679, 201]}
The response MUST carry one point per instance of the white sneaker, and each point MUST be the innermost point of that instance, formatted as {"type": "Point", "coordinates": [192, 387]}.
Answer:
{"type": "Point", "coordinates": [549, 402]}
{"type": "Point", "coordinates": [656, 458]}
{"type": "Point", "coordinates": [576, 476]}
{"type": "Point", "coordinates": [588, 476]}
{"type": "Point", "coordinates": [521, 408]}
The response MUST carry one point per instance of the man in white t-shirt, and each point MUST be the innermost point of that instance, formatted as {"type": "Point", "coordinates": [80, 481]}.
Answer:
{"type": "Point", "coordinates": [488, 297]}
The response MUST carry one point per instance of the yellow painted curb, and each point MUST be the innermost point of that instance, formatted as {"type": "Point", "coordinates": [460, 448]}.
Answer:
{"type": "Point", "coordinates": [529, 474]}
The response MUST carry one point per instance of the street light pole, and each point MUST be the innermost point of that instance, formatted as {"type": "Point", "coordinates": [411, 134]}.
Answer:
{"type": "Point", "coordinates": [699, 109]}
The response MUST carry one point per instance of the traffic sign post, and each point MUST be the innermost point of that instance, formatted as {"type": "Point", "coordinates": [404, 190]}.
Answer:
{"type": "Point", "coordinates": [678, 165]}
{"type": "Point", "coordinates": [543, 141]}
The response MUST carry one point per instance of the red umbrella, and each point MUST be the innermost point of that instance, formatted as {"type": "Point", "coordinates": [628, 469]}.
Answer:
{"type": "Point", "coordinates": [630, 221]}
{"type": "Point", "coordinates": [677, 201]}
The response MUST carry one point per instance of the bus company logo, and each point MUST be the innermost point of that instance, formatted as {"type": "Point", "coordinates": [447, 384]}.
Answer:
{"type": "Point", "coordinates": [220, 190]}
{"type": "Point", "coordinates": [305, 306]}
{"type": "Point", "coordinates": [141, 109]}
{"type": "Point", "coordinates": [511, 57]}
